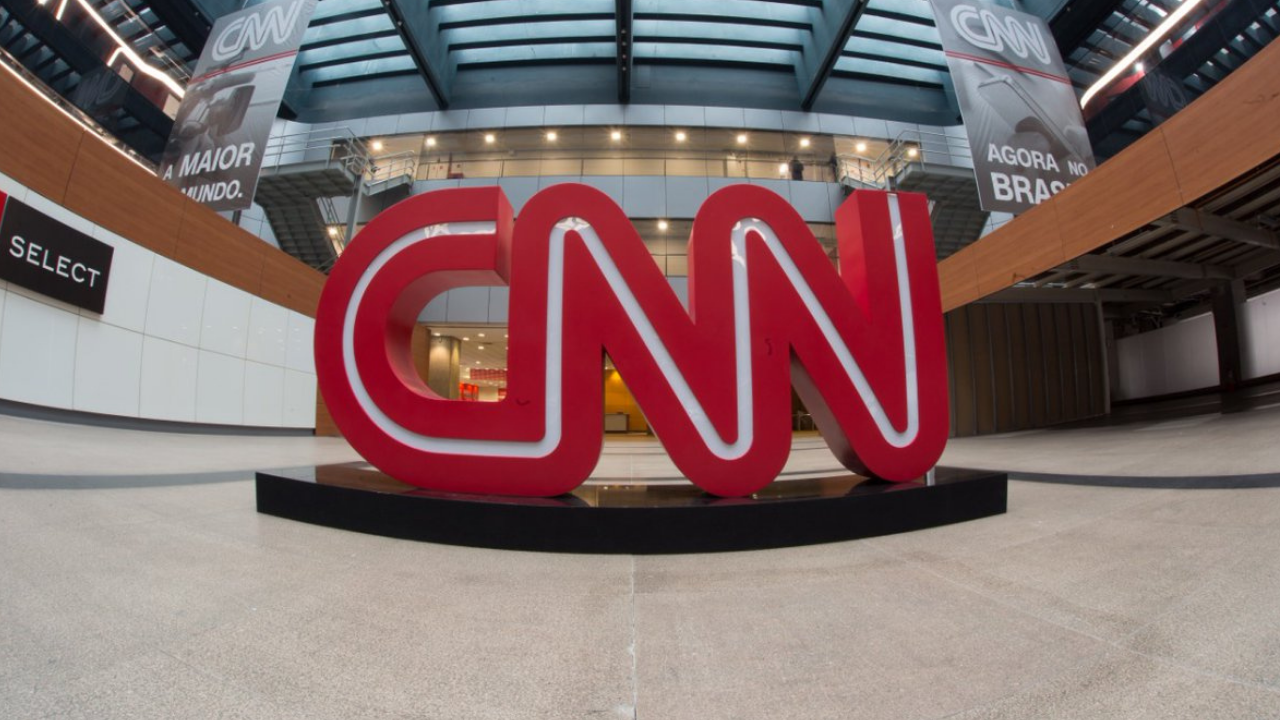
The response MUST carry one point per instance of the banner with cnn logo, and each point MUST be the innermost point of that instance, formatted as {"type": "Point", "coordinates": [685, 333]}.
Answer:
{"type": "Point", "coordinates": [1020, 111]}
{"type": "Point", "coordinates": [215, 151]}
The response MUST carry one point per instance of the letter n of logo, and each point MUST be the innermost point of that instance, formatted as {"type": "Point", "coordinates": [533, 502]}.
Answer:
{"type": "Point", "coordinates": [863, 347]}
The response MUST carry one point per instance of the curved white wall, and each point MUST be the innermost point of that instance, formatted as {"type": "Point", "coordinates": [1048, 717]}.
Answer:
{"type": "Point", "coordinates": [171, 344]}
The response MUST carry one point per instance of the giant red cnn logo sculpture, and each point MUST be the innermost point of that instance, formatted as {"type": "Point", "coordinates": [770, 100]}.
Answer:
{"type": "Point", "coordinates": [863, 347]}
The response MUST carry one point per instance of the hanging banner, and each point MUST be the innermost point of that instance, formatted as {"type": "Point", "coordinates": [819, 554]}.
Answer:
{"type": "Point", "coordinates": [1020, 110]}
{"type": "Point", "coordinates": [215, 151]}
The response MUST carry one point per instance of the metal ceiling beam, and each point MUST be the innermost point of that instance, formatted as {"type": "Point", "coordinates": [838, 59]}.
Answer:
{"type": "Point", "coordinates": [1115, 265]}
{"type": "Point", "coordinates": [625, 20]}
{"type": "Point", "coordinates": [422, 39]}
{"type": "Point", "coordinates": [1194, 220]}
{"type": "Point", "coordinates": [822, 52]}
{"type": "Point", "coordinates": [1081, 295]}
{"type": "Point", "coordinates": [186, 21]}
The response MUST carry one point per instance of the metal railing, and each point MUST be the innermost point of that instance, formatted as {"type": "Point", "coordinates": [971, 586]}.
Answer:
{"type": "Point", "coordinates": [331, 146]}
{"type": "Point", "coordinates": [390, 167]}
{"type": "Point", "coordinates": [909, 148]}
{"type": "Point", "coordinates": [338, 147]}
{"type": "Point", "coordinates": [763, 166]}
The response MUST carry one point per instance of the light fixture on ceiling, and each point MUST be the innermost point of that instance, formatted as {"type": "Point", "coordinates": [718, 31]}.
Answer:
{"type": "Point", "coordinates": [681, 136]}
{"type": "Point", "coordinates": [804, 142]}
{"type": "Point", "coordinates": [616, 135]}
{"type": "Point", "coordinates": [913, 152]}
{"type": "Point", "coordinates": [480, 335]}
{"type": "Point", "coordinates": [742, 138]}
{"type": "Point", "coordinates": [376, 145]}
{"type": "Point", "coordinates": [143, 67]}
{"type": "Point", "coordinates": [333, 231]}
{"type": "Point", "coordinates": [1153, 37]}
{"type": "Point", "coordinates": [490, 138]}
{"type": "Point", "coordinates": [466, 339]}
{"type": "Point", "coordinates": [782, 169]}
{"type": "Point", "coordinates": [431, 142]}
{"type": "Point", "coordinates": [861, 147]}
{"type": "Point", "coordinates": [552, 136]}
{"type": "Point", "coordinates": [662, 225]}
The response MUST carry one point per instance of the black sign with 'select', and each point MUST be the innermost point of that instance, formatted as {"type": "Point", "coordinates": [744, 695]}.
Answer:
{"type": "Point", "coordinates": [41, 254]}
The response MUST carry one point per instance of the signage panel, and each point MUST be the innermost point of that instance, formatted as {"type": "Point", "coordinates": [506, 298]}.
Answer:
{"type": "Point", "coordinates": [214, 153]}
{"type": "Point", "coordinates": [863, 346]}
{"type": "Point", "coordinates": [44, 255]}
{"type": "Point", "coordinates": [1025, 129]}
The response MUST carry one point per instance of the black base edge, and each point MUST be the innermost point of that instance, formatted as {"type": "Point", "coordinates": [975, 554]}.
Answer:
{"type": "Point", "coordinates": [569, 526]}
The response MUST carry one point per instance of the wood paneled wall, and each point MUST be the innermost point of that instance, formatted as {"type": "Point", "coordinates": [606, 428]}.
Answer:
{"type": "Point", "coordinates": [54, 156]}
{"type": "Point", "coordinates": [1014, 367]}
{"type": "Point", "coordinates": [1220, 137]}
{"type": "Point", "coordinates": [57, 158]}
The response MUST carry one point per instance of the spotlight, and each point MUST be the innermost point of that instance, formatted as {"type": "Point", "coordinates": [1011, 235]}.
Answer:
{"type": "Point", "coordinates": [681, 137]}
{"type": "Point", "coordinates": [616, 135]}
{"type": "Point", "coordinates": [804, 142]}
{"type": "Point", "coordinates": [431, 142]}
{"type": "Point", "coordinates": [662, 225]}
{"type": "Point", "coordinates": [490, 139]}
{"type": "Point", "coordinates": [377, 146]}
{"type": "Point", "coordinates": [861, 147]}
{"type": "Point", "coordinates": [742, 138]}
{"type": "Point", "coordinates": [551, 136]}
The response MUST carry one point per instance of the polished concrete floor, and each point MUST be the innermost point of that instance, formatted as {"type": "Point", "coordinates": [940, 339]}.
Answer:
{"type": "Point", "coordinates": [139, 582]}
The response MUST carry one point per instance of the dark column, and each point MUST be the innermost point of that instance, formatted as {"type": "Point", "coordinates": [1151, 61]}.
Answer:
{"type": "Point", "coordinates": [1226, 300]}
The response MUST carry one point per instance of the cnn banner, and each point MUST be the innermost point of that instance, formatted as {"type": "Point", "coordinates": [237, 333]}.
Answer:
{"type": "Point", "coordinates": [215, 151]}
{"type": "Point", "coordinates": [1019, 107]}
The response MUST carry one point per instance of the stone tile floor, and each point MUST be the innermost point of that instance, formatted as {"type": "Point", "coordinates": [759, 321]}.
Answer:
{"type": "Point", "coordinates": [179, 600]}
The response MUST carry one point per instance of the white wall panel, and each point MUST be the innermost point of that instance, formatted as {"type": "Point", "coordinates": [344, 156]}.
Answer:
{"type": "Point", "coordinates": [219, 389]}
{"type": "Point", "coordinates": [168, 380]}
{"type": "Point", "coordinates": [176, 302]}
{"type": "Point", "coordinates": [299, 399]}
{"type": "Point", "coordinates": [37, 353]}
{"type": "Point", "coordinates": [225, 319]}
{"type": "Point", "coordinates": [268, 333]}
{"type": "Point", "coordinates": [1260, 335]}
{"type": "Point", "coordinates": [108, 368]}
{"type": "Point", "coordinates": [12, 188]}
{"type": "Point", "coordinates": [298, 352]}
{"type": "Point", "coordinates": [263, 395]}
{"type": "Point", "coordinates": [129, 285]}
{"type": "Point", "coordinates": [143, 356]}
{"type": "Point", "coordinates": [1169, 360]}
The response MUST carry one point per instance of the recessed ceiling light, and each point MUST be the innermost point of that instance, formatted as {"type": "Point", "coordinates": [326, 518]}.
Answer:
{"type": "Point", "coordinates": [479, 347]}
{"type": "Point", "coordinates": [436, 334]}
{"type": "Point", "coordinates": [480, 335]}
{"type": "Point", "coordinates": [662, 225]}
{"type": "Point", "coordinates": [333, 231]}
{"type": "Point", "coordinates": [860, 147]}
{"type": "Point", "coordinates": [431, 142]}
{"type": "Point", "coordinates": [466, 339]}
{"type": "Point", "coordinates": [912, 152]}
{"type": "Point", "coordinates": [490, 138]}
{"type": "Point", "coordinates": [681, 137]}
{"type": "Point", "coordinates": [742, 138]}
{"type": "Point", "coordinates": [552, 136]}
{"type": "Point", "coordinates": [377, 146]}
{"type": "Point", "coordinates": [804, 142]}
{"type": "Point", "coordinates": [782, 169]}
{"type": "Point", "coordinates": [615, 135]}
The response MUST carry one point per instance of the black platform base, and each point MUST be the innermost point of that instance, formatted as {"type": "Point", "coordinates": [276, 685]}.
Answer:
{"type": "Point", "coordinates": [629, 516]}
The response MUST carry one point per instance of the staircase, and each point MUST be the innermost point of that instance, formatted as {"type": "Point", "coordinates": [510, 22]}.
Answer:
{"type": "Point", "coordinates": [301, 175]}
{"type": "Point", "coordinates": [938, 165]}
